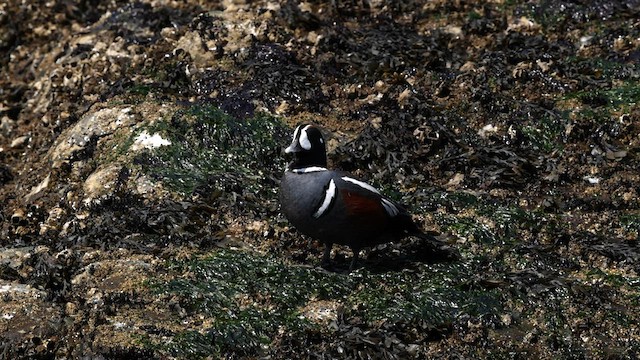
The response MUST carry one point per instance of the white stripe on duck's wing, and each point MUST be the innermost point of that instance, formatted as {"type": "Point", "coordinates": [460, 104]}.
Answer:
{"type": "Point", "coordinates": [329, 197]}
{"type": "Point", "coordinates": [309, 169]}
{"type": "Point", "coordinates": [361, 184]}
{"type": "Point", "coordinates": [390, 207]}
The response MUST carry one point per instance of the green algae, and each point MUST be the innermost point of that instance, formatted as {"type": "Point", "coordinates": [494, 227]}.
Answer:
{"type": "Point", "coordinates": [545, 134]}
{"type": "Point", "coordinates": [630, 222]}
{"type": "Point", "coordinates": [252, 299]}
{"type": "Point", "coordinates": [435, 295]}
{"type": "Point", "coordinates": [209, 148]}
{"type": "Point", "coordinates": [139, 89]}
{"type": "Point", "coordinates": [622, 97]}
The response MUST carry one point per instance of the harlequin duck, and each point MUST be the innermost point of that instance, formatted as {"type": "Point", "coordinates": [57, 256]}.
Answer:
{"type": "Point", "coordinates": [335, 208]}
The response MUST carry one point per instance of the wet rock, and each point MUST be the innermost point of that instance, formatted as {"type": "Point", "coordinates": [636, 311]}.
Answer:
{"type": "Point", "coordinates": [99, 274]}
{"type": "Point", "coordinates": [78, 142]}
{"type": "Point", "coordinates": [100, 183]}
{"type": "Point", "coordinates": [511, 128]}
{"type": "Point", "coordinates": [22, 330]}
{"type": "Point", "coordinates": [193, 44]}
{"type": "Point", "coordinates": [5, 174]}
{"type": "Point", "coordinates": [19, 142]}
{"type": "Point", "coordinates": [13, 263]}
{"type": "Point", "coordinates": [38, 190]}
{"type": "Point", "coordinates": [53, 221]}
{"type": "Point", "coordinates": [6, 126]}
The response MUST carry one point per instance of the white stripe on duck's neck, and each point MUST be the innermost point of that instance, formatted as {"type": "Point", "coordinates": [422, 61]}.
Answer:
{"type": "Point", "coordinates": [308, 169]}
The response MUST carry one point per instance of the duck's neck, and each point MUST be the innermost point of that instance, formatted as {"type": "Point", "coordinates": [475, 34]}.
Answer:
{"type": "Point", "coordinates": [308, 160]}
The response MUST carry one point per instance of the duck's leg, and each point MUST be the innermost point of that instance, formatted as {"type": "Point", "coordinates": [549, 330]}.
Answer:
{"type": "Point", "coordinates": [354, 259]}
{"type": "Point", "coordinates": [327, 254]}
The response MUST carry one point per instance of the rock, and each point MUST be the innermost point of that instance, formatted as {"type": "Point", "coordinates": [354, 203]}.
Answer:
{"type": "Point", "coordinates": [100, 183]}
{"type": "Point", "coordinates": [18, 217]}
{"type": "Point", "coordinates": [6, 126]}
{"type": "Point", "coordinates": [524, 25]}
{"type": "Point", "coordinates": [14, 259]}
{"type": "Point", "coordinates": [37, 190]}
{"type": "Point", "coordinates": [85, 133]}
{"type": "Point", "coordinates": [53, 220]}
{"type": "Point", "coordinates": [192, 43]}
{"type": "Point", "coordinates": [5, 173]}
{"type": "Point", "coordinates": [22, 318]}
{"type": "Point", "coordinates": [487, 131]}
{"type": "Point", "coordinates": [322, 312]}
{"type": "Point", "coordinates": [17, 290]}
{"type": "Point", "coordinates": [147, 141]}
{"type": "Point", "coordinates": [19, 142]}
{"type": "Point", "coordinates": [419, 96]}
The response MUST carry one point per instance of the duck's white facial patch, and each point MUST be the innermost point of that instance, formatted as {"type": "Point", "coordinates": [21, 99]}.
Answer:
{"type": "Point", "coordinates": [329, 196]}
{"type": "Point", "coordinates": [296, 133]}
{"type": "Point", "coordinates": [291, 148]}
{"type": "Point", "coordinates": [361, 184]}
{"type": "Point", "coordinates": [390, 207]}
{"type": "Point", "coordinates": [303, 140]}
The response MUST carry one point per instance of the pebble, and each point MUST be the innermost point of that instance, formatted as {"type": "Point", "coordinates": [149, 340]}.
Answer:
{"type": "Point", "coordinates": [6, 126]}
{"type": "Point", "coordinates": [19, 142]}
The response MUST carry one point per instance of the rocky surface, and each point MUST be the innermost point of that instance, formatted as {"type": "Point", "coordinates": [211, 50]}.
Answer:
{"type": "Point", "coordinates": [140, 152]}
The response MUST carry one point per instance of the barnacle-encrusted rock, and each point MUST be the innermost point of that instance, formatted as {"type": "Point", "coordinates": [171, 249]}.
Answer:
{"type": "Point", "coordinates": [138, 145]}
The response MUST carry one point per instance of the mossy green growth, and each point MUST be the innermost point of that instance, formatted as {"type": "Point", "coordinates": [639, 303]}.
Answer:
{"type": "Point", "coordinates": [434, 296]}
{"type": "Point", "coordinates": [474, 15]}
{"type": "Point", "coordinates": [631, 222]}
{"type": "Point", "coordinates": [621, 97]}
{"type": "Point", "coordinates": [490, 221]}
{"type": "Point", "coordinates": [603, 68]}
{"type": "Point", "coordinates": [458, 200]}
{"type": "Point", "coordinates": [510, 219]}
{"type": "Point", "coordinates": [211, 148]}
{"type": "Point", "coordinates": [625, 96]}
{"type": "Point", "coordinates": [601, 104]}
{"type": "Point", "coordinates": [249, 297]}
{"type": "Point", "coordinates": [469, 227]}
{"type": "Point", "coordinates": [545, 134]}
{"type": "Point", "coordinates": [139, 89]}
{"type": "Point", "coordinates": [597, 275]}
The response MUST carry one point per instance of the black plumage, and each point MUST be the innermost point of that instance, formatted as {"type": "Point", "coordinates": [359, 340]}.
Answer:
{"type": "Point", "coordinates": [332, 206]}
